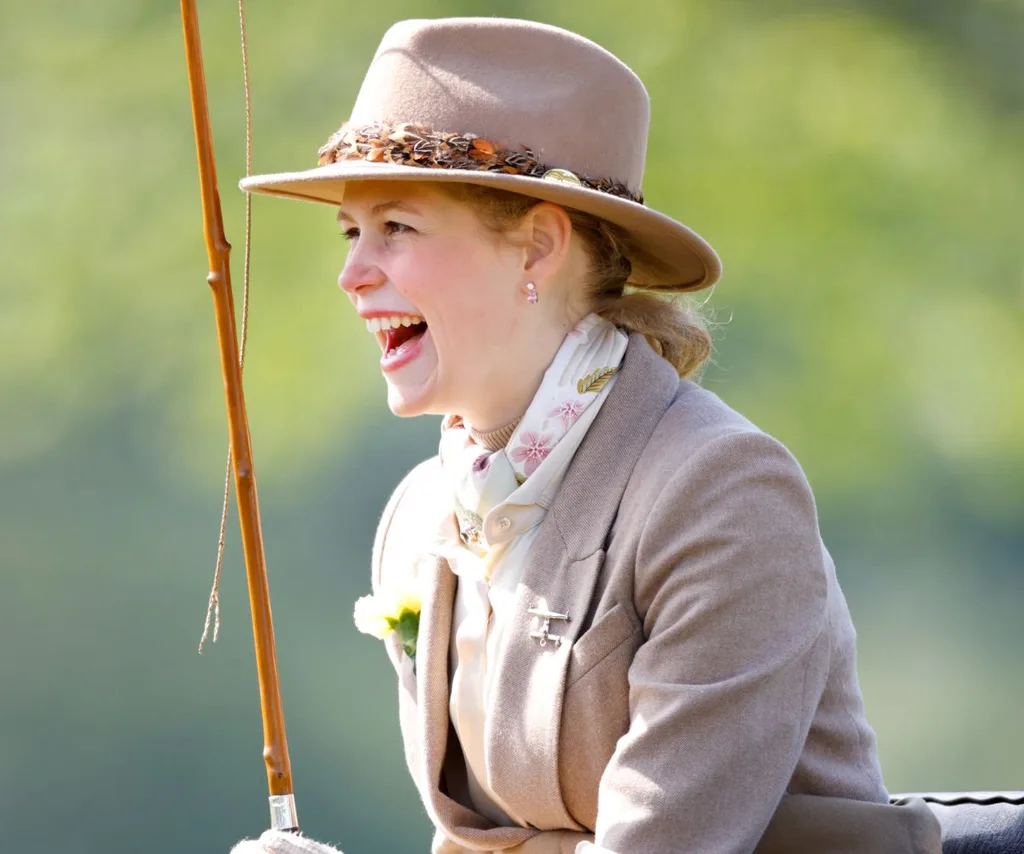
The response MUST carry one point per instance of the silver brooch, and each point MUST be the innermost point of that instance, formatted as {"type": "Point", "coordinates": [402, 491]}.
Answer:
{"type": "Point", "coordinates": [544, 635]}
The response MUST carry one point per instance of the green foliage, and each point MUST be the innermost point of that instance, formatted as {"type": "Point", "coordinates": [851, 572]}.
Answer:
{"type": "Point", "coordinates": [859, 167]}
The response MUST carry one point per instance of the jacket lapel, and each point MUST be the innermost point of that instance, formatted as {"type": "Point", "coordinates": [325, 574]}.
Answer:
{"type": "Point", "coordinates": [524, 722]}
{"type": "Point", "coordinates": [432, 666]}
{"type": "Point", "coordinates": [464, 826]}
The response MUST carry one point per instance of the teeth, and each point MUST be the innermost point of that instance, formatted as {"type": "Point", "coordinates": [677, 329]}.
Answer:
{"type": "Point", "coordinates": [383, 324]}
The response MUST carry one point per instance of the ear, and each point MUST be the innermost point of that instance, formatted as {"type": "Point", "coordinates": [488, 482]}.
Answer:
{"type": "Point", "coordinates": [546, 232]}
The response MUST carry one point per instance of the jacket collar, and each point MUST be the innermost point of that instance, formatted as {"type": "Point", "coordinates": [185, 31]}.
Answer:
{"type": "Point", "coordinates": [645, 388]}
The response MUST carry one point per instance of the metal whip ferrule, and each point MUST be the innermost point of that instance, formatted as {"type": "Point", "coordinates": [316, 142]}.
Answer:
{"type": "Point", "coordinates": [282, 813]}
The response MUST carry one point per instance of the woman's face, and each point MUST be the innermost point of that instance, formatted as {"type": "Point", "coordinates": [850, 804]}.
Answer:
{"type": "Point", "coordinates": [443, 296]}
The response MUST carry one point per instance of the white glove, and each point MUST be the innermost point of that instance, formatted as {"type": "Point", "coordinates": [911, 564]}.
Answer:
{"type": "Point", "coordinates": [279, 842]}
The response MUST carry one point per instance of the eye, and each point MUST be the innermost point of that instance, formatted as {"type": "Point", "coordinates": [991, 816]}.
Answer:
{"type": "Point", "coordinates": [390, 228]}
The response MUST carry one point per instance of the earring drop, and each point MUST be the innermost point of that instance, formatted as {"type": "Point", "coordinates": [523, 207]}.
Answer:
{"type": "Point", "coordinates": [531, 293]}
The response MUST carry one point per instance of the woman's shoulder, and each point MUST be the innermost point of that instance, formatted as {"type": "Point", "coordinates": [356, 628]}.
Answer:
{"type": "Point", "coordinates": [701, 415]}
{"type": "Point", "coordinates": [419, 486]}
{"type": "Point", "coordinates": [712, 487]}
{"type": "Point", "coordinates": [706, 456]}
{"type": "Point", "coordinates": [699, 428]}
{"type": "Point", "coordinates": [414, 517]}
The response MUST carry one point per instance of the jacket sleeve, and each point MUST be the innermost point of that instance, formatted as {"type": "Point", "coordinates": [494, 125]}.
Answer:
{"type": "Point", "coordinates": [731, 587]}
{"type": "Point", "coordinates": [545, 842]}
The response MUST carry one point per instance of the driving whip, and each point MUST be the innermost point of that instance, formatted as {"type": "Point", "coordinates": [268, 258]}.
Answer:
{"type": "Point", "coordinates": [275, 750]}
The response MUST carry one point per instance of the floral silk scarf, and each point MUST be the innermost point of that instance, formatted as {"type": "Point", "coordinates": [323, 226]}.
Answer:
{"type": "Point", "coordinates": [579, 375]}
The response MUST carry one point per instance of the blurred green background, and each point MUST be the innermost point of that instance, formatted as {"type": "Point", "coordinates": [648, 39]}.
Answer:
{"type": "Point", "coordinates": [859, 166]}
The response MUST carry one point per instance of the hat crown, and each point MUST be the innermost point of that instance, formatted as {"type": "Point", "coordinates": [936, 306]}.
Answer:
{"type": "Point", "coordinates": [516, 83]}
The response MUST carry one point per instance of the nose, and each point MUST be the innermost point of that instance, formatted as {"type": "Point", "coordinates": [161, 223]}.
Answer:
{"type": "Point", "coordinates": [359, 274]}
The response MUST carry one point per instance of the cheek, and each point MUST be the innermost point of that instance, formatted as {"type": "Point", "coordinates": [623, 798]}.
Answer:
{"type": "Point", "coordinates": [424, 275]}
{"type": "Point", "coordinates": [472, 318]}
{"type": "Point", "coordinates": [458, 291]}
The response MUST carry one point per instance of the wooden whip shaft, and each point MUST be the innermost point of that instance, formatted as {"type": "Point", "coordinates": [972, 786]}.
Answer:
{"type": "Point", "coordinates": [275, 750]}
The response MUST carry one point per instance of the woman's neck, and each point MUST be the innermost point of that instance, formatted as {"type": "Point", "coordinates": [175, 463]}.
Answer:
{"type": "Point", "coordinates": [509, 389]}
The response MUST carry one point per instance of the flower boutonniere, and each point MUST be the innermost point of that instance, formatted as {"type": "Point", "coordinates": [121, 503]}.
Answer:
{"type": "Point", "coordinates": [391, 610]}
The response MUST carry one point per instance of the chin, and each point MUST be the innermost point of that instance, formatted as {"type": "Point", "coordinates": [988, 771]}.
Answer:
{"type": "Point", "coordinates": [409, 405]}
{"type": "Point", "coordinates": [413, 387]}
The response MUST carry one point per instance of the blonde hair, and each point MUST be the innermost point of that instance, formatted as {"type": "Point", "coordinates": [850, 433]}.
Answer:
{"type": "Point", "coordinates": [674, 326]}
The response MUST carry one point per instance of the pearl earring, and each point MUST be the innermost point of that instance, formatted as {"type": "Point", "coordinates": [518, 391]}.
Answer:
{"type": "Point", "coordinates": [531, 293]}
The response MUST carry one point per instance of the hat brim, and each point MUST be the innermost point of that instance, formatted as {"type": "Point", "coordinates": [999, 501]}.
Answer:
{"type": "Point", "coordinates": [668, 255]}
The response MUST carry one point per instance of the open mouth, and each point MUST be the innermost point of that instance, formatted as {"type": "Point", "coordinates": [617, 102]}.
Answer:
{"type": "Point", "coordinates": [397, 332]}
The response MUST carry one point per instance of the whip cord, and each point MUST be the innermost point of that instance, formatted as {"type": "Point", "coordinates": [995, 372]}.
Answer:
{"type": "Point", "coordinates": [213, 606]}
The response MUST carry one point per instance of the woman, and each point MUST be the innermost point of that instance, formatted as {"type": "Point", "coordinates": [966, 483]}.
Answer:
{"type": "Point", "coordinates": [632, 639]}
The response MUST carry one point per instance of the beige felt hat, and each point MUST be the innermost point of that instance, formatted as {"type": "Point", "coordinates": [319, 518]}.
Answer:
{"type": "Point", "coordinates": [513, 104]}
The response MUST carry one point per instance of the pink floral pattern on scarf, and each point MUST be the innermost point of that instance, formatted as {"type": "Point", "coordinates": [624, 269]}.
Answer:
{"type": "Point", "coordinates": [567, 412]}
{"type": "Point", "coordinates": [579, 374]}
{"type": "Point", "coordinates": [531, 451]}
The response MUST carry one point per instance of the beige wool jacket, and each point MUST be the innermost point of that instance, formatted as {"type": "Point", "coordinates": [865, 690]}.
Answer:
{"type": "Point", "coordinates": [702, 696]}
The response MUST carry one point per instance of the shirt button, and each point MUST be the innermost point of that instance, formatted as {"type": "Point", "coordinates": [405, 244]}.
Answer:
{"type": "Point", "coordinates": [504, 523]}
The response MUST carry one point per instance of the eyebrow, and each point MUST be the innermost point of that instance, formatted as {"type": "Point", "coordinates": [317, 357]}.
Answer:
{"type": "Point", "coordinates": [383, 206]}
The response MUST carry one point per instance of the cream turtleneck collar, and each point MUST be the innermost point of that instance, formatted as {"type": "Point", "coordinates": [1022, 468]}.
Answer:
{"type": "Point", "coordinates": [494, 440]}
